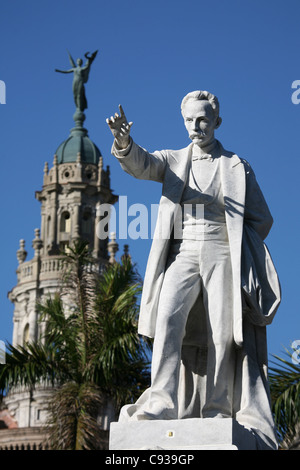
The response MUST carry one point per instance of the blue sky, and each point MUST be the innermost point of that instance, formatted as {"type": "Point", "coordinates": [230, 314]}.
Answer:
{"type": "Point", "coordinates": [150, 55]}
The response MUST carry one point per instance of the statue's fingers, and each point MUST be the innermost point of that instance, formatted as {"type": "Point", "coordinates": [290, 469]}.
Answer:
{"type": "Point", "coordinates": [125, 128]}
{"type": "Point", "coordinates": [121, 110]}
{"type": "Point", "coordinates": [110, 123]}
{"type": "Point", "coordinates": [128, 126]}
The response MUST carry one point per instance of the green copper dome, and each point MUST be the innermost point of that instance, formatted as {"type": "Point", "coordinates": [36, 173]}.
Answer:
{"type": "Point", "coordinates": [78, 142]}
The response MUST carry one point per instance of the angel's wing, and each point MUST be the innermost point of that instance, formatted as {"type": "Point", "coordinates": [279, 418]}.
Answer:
{"type": "Point", "coordinates": [71, 60]}
{"type": "Point", "coordinates": [94, 54]}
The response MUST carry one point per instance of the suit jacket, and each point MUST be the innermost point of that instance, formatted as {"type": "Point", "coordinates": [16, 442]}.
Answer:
{"type": "Point", "coordinates": [244, 204]}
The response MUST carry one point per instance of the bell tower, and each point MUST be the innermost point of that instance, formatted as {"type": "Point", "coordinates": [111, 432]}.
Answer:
{"type": "Point", "coordinates": [73, 189]}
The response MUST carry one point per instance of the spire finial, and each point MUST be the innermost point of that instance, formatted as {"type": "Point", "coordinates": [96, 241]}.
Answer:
{"type": "Point", "coordinates": [21, 253]}
{"type": "Point", "coordinates": [126, 254]}
{"type": "Point", "coordinates": [112, 248]}
{"type": "Point", "coordinates": [46, 168]}
{"type": "Point", "coordinates": [37, 242]}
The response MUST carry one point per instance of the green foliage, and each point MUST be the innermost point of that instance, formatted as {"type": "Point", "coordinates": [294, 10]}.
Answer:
{"type": "Point", "coordinates": [26, 366]}
{"type": "Point", "coordinates": [73, 417]}
{"type": "Point", "coordinates": [285, 394]}
{"type": "Point", "coordinates": [90, 351]}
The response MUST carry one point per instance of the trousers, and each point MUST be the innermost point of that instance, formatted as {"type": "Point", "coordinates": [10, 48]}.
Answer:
{"type": "Point", "coordinates": [194, 267]}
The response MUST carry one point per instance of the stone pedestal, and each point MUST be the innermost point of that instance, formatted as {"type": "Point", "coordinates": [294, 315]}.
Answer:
{"type": "Point", "coordinates": [193, 434]}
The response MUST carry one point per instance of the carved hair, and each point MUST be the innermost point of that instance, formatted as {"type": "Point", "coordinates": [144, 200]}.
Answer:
{"type": "Point", "coordinates": [202, 95]}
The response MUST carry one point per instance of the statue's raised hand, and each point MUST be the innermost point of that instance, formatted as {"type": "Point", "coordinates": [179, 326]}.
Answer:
{"type": "Point", "coordinates": [120, 128]}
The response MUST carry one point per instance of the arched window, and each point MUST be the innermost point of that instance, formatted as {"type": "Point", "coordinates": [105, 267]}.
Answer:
{"type": "Point", "coordinates": [26, 334]}
{"type": "Point", "coordinates": [65, 222]}
{"type": "Point", "coordinates": [87, 222]}
{"type": "Point", "coordinates": [48, 228]}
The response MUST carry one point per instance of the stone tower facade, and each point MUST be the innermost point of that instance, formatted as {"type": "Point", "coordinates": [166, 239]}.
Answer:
{"type": "Point", "coordinates": [72, 191]}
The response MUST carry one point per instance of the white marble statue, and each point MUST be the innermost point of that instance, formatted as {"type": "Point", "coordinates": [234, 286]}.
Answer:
{"type": "Point", "coordinates": [210, 292]}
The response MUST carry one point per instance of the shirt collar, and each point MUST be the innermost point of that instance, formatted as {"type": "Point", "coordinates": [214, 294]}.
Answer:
{"type": "Point", "coordinates": [197, 152]}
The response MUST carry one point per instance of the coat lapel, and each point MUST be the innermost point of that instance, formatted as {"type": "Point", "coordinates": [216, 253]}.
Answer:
{"type": "Point", "coordinates": [234, 191]}
{"type": "Point", "coordinates": [176, 173]}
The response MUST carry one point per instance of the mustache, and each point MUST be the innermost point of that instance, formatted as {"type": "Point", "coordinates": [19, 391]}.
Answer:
{"type": "Point", "coordinates": [197, 134]}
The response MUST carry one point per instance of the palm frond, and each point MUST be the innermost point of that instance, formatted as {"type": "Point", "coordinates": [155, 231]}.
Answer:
{"type": "Point", "coordinates": [29, 365]}
{"type": "Point", "coordinates": [122, 357]}
{"type": "Point", "coordinates": [284, 380]}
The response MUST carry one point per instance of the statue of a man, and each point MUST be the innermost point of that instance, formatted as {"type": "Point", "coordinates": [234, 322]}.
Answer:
{"type": "Point", "coordinates": [80, 77]}
{"type": "Point", "coordinates": [210, 291]}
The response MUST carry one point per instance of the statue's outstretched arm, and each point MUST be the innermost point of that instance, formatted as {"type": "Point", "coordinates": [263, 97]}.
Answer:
{"type": "Point", "coordinates": [64, 71]}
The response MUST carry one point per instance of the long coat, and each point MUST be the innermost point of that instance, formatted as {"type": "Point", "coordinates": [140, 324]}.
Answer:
{"type": "Point", "coordinates": [245, 206]}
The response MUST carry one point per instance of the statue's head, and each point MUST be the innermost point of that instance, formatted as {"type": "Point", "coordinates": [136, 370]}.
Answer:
{"type": "Point", "coordinates": [200, 111]}
{"type": "Point", "coordinates": [79, 62]}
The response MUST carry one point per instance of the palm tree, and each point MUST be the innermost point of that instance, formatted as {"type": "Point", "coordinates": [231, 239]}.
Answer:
{"type": "Point", "coordinates": [91, 353]}
{"type": "Point", "coordinates": [285, 394]}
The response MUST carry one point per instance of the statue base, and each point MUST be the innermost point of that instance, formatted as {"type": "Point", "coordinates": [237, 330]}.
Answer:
{"type": "Point", "coordinates": [184, 434]}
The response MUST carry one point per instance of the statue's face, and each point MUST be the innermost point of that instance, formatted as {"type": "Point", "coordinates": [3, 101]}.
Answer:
{"type": "Point", "coordinates": [79, 62]}
{"type": "Point", "coordinates": [200, 121]}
